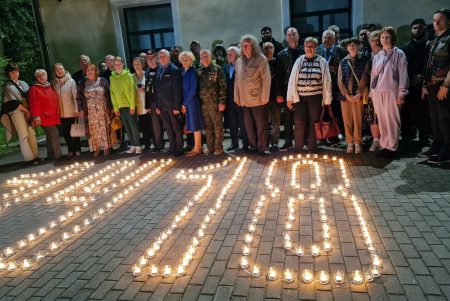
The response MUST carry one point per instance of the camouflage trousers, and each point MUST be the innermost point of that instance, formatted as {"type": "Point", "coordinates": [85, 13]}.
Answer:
{"type": "Point", "coordinates": [213, 126]}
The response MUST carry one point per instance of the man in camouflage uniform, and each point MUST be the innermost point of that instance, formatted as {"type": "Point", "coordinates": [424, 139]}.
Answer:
{"type": "Point", "coordinates": [212, 87]}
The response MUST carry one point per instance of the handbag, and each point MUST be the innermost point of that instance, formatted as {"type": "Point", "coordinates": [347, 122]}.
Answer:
{"type": "Point", "coordinates": [77, 129]}
{"type": "Point", "coordinates": [116, 124]}
{"type": "Point", "coordinates": [326, 129]}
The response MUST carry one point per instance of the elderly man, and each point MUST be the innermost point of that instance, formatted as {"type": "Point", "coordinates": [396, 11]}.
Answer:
{"type": "Point", "coordinates": [213, 96]}
{"type": "Point", "coordinates": [84, 62]}
{"type": "Point", "coordinates": [284, 62]}
{"type": "Point", "coordinates": [150, 101]}
{"type": "Point", "coordinates": [252, 90]}
{"type": "Point", "coordinates": [234, 112]}
{"type": "Point", "coordinates": [333, 54]}
{"type": "Point", "coordinates": [168, 92]}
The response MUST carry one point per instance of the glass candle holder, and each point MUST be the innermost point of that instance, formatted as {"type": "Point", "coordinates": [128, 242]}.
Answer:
{"type": "Point", "coordinates": [167, 271]}
{"type": "Point", "coordinates": [153, 270]}
{"type": "Point", "coordinates": [244, 262]}
{"type": "Point", "coordinates": [272, 274]}
{"type": "Point", "coordinates": [357, 277]}
{"type": "Point", "coordinates": [256, 271]}
{"type": "Point", "coordinates": [288, 275]}
{"type": "Point", "coordinates": [315, 250]}
{"type": "Point", "coordinates": [339, 277]}
{"type": "Point", "coordinates": [324, 277]}
{"type": "Point", "coordinates": [307, 276]}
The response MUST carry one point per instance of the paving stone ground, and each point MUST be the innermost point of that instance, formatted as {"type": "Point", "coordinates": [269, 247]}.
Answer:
{"type": "Point", "coordinates": [405, 202]}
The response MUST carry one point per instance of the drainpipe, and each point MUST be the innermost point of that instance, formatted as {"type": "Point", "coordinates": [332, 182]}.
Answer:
{"type": "Point", "coordinates": [41, 36]}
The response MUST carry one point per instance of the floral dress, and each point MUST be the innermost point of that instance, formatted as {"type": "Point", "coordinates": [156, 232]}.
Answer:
{"type": "Point", "coordinates": [98, 116]}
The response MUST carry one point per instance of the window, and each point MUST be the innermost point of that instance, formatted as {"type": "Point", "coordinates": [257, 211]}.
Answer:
{"type": "Point", "coordinates": [148, 27]}
{"type": "Point", "coordinates": [312, 17]}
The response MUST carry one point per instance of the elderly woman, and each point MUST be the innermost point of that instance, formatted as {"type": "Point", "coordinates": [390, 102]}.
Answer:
{"type": "Point", "coordinates": [389, 85]}
{"type": "Point", "coordinates": [369, 112]}
{"type": "Point", "coordinates": [252, 91]}
{"type": "Point", "coordinates": [144, 117]}
{"type": "Point", "coordinates": [66, 88]}
{"type": "Point", "coordinates": [93, 99]}
{"type": "Point", "coordinates": [44, 108]}
{"type": "Point", "coordinates": [309, 89]}
{"type": "Point", "coordinates": [191, 103]}
{"type": "Point", "coordinates": [352, 81]}
{"type": "Point", "coordinates": [124, 100]}
{"type": "Point", "coordinates": [15, 115]}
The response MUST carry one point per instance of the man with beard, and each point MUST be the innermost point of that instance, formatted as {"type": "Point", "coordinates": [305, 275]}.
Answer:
{"type": "Point", "coordinates": [415, 111]}
{"type": "Point", "coordinates": [365, 50]}
{"type": "Point", "coordinates": [266, 36]}
{"type": "Point", "coordinates": [283, 66]}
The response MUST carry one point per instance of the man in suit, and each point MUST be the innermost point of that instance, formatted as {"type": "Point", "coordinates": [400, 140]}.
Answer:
{"type": "Point", "coordinates": [333, 54]}
{"type": "Point", "coordinates": [168, 92]}
{"type": "Point", "coordinates": [233, 111]}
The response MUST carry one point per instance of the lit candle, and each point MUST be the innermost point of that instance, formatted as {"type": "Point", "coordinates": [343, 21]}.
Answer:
{"type": "Point", "coordinates": [272, 274]}
{"type": "Point", "coordinates": [323, 218]}
{"type": "Point", "coordinates": [288, 225]}
{"type": "Point", "coordinates": [53, 246]}
{"type": "Point", "coordinates": [368, 276]}
{"type": "Point", "coordinates": [86, 222]}
{"type": "Point", "coordinates": [246, 250]}
{"type": "Point", "coordinates": [11, 266]}
{"type": "Point", "coordinates": [327, 245]}
{"type": "Point", "coordinates": [153, 270]}
{"type": "Point", "coordinates": [167, 271]}
{"type": "Point", "coordinates": [251, 228]}
{"type": "Point", "coordinates": [180, 270]}
{"type": "Point", "coordinates": [2, 265]}
{"type": "Point", "coordinates": [8, 251]}
{"type": "Point", "coordinates": [357, 277]}
{"type": "Point", "coordinates": [339, 277]}
{"type": "Point", "coordinates": [299, 250]}
{"type": "Point", "coordinates": [256, 271]}
{"type": "Point", "coordinates": [151, 253]}
{"type": "Point", "coordinates": [40, 255]}
{"type": "Point", "coordinates": [307, 276]}
{"type": "Point", "coordinates": [26, 264]}
{"type": "Point", "coordinates": [76, 229]}
{"type": "Point", "coordinates": [324, 277]}
{"type": "Point", "coordinates": [52, 224]}
{"type": "Point", "coordinates": [376, 261]}
{"type": "Point", "coordinates": [288, 275]}
{"type": "Point", "coordinates": [291, 217]}
{"type": "Point", "coordinates": [248, 238]}
{"type": "Point", "coordinates": [136, 270]}
{"type": "Point", "coordinates": [142, 261]}
{"type": "Point", "coordinates": [22, 243]}
{"type": "Point", "coordinates": [257, 211]}
{"type": "Point", "coordinates": [375, 271]}
{"type": "Point", "coordinates": [244, 262]}
{"type": "Point", "coordinates": [287, 244]}
{"type": "Point", "coordinates": [201, 233]}
{"type": "Point", "coordinates": [371, 248]}
{"type": "Point", "coordinates": [315, 250]}
{"type": "Point", "coordinates": [65, 236]}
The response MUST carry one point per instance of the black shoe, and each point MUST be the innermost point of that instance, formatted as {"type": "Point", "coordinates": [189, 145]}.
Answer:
{"type": "Point", "coordinates": [274, 149]}
{"type": "Point", "coordinates": [438, 159]}
{"type": "Point", "coordinates": [387, 154]}
{"type": "Point", "coordinates": [427, 154]}
{"type": "Point", "coordinates": [232, 148]}
{"type": "Point", "coordinates": [156, 149]}
{"type": "Point", "coordinates": [250, 151]}
{"type": "Point", "coordinates": [285, 147]}
{"type": "Point", "coordinates": [262, 153]}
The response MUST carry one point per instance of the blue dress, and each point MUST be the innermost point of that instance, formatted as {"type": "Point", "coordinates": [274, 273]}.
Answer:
{"type": "Point", "coordinates": [194, 117]}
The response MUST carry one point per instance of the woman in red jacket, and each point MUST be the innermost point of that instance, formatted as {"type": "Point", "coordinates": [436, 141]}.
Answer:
{"type": "Point", "coordinates": [44, 109]}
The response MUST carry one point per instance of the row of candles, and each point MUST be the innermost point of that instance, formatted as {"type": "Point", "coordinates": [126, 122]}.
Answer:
{"type": "Point", "coordinates": [17, 195]}
{"type": "Point", "coordinates": [155, 247]}
{"type": "Point", "coordinates": [96, 179]}
{"type": "Point", "coordinates": [307, 276]}
{"type": "Point", "coordinates": [26, 263]}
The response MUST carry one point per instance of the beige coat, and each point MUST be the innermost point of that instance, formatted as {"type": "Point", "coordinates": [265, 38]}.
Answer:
{"type": "Point", "coordinates": [252, 82]}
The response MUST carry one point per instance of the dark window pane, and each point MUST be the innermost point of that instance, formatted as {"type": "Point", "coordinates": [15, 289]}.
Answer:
{"type": "Point", "coordinates": [148, 18]}
{"type": "Point", "coordinates": [303, 6]}
{"type": "Point", "coordinates": [340, 20]}
{"type": "Point", "coordinates": [307, 24]}
{"type": "Point", "coordinates": [139, 42]}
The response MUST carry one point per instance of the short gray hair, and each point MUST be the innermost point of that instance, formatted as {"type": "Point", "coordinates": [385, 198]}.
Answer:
{"type": "Point", "coordinates": [205, 51]}
{"type": "Point", "coordinates": [311, 40]}
{"type": "Point", "coordinates": [329, 31]}
{"type": "Point", "coordinates": [39, 72]}
{"type": "Point", "coordinates": [253, 41]}
{"type": "Point", "coordinates": [235, 50]}
{"type": "Point", "coordinates": [165, 51]}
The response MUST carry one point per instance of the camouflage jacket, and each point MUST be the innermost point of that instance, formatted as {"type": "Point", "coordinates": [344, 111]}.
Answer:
{"type": "Point", "coordinates": [212, 85]}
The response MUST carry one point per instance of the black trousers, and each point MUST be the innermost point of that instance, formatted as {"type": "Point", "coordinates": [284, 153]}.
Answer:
{"type": "Point", "coordinates": [415, 113]}
{"type": "Point", "coordinates": [157, 128]}
{"type": "Point", "coordinates": [306, 113]}
{"type": "Point", "coordinates": [255, 120]}
{"type": "Point", "coordinates": [146, 128]}
{"type": "Point", "coordinates": [73, 143]}
{"type": "Point", "coordinates": [288, 120]}
{"type": "Point", "coordinates": [235, 116]}
{"type": "Point", "coordinates": [173, 126]}
{"type": "Point", "coordinates": [440, 121]}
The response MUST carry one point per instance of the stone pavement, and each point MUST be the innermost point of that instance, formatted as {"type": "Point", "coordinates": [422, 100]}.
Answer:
{"type": "Point", "coordinates": [405, 203]}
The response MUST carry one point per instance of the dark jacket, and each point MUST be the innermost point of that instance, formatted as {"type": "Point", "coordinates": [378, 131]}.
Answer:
{"type": "Point", "coordinates": [230, 84]}
{"type": "Point", "coordinates": [283, 66]}
{"type": "Point", "coordinates": [336, 57]}
{"type": "Point", "coordinates": [415, 55]}
{"type": "Point", "coordinates": [278, 46]}
{"type": "Point", "coordinates": [437, 69]}
{"type": "Point", "coordinates": [168, 88]}
{"type": "Point", "coordinates": [150, 102]}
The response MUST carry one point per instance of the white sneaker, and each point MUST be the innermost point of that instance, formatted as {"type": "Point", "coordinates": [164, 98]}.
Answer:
{"type": "Point", "coordinates": [131, 150]}
{"type": "Point", "coordinates": [350, 148]}
{"type": "Point", "coordinates": [358, 149]}
{"type": "Point", "coordinates": [375, 146]}
{"type": "Point", "coordinates": [138, 150]}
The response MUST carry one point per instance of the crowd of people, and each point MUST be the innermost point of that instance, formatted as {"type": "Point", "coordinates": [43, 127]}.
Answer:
{"type": "Point", "coordinates": [377, 91]}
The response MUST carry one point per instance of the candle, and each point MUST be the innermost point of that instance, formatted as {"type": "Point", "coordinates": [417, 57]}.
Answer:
{"type": "Point", "coordinates": [256, 271]}
{"type": "Point", "coordinates": [11, 266]}
{"type": "Point", "coordinates": [86, 222]}
{"type": "Point", "coordinates": [53, 246]}
{"type": "Point", "coordinates": [22, 243]}
{"type": "Point", "coordinates": [65, 236]}
{"type": "Point", "coordinates": [376, 261]}
{"type": "Point", "coordinates": [244, 262]}
{"type": "Point", "coordinates": [307, 276]}
{"type": "Point", "coordinates": [299, 250]}
{"type": "Point", "coordinates": [272, 274]}
{"type": "Point", "coordinates": [40, 255]}
{"type": "Point", "coordinates": [167, 271]}
{"type": "Point", "coordinates": [245, 250]}
{"type": "Point", "coordinates": [26, 264]}
{"type": "Point", "coordinates": [248, 238]}
{"type": "Point", "coordinates": [76, 229]}
{"type": "Point", "coordinates": [201, 233]}
{"type": "Point", "coordinates": [375, 271]}
{"type": "Point", "coordinates": [339, 277]}
{"type": "Point", "coordinates": [52, 224]}
{"type": "Point", "coordinates": [180, 270]}
{"type": "Point", "coordinates": [368, 276]}
{"type": "Point", "coordinates": [142, 261]}
{"type": "Point", "coordinates": [327, 245]}
{"type": "Point", "coordinates": [288, 225]}
{"type": "Point", "coordinates": [324, 277]}
{"type": "Point", "coordinates": [291, 217]}
{"type": "Point", "coordinates": [2, 265]}
{"type": "Point", "coordinates": [315, 250]}
{"type": "Point", "coordinates": [288, 275]}
{"type": "Point", "coordinates": [251, 228]}
{"type": "Point", "coordinates": [8, 251]}
{"type": "Point", "coordinates": [287, 244]}
{"type": "Point", "coordinates": [357, 277]}
{"type": "Point", "coordinates": [153, 270]}
{"type": "Point", "coordinates": [136, 270]}
{"type": "Point", "coordinates": [323, 218]}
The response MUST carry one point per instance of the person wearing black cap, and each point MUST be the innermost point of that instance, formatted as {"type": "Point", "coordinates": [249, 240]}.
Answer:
{"type": "Point", "coordinates": [414, 112]}
{"type": "Point", "coordinates": [436, 85]}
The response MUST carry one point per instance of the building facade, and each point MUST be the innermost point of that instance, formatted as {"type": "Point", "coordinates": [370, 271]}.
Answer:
{"type": "Point", "coordinates": [128, 27]}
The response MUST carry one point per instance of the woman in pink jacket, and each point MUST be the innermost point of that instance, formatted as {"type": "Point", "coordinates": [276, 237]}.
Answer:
{"type": "Point", "coordinates": [44, 108]}
{"type": "Point", "coordinates": [389, 85]}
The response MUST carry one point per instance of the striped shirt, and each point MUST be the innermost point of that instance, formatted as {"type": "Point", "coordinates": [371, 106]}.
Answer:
{"type": "Point", "coordinates": [310, 78]}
